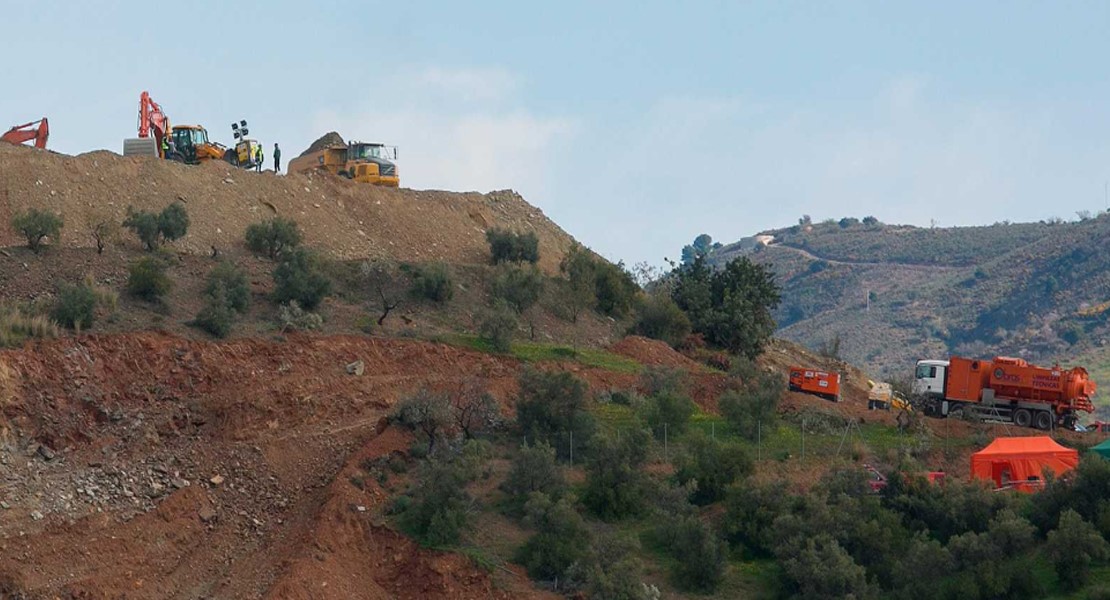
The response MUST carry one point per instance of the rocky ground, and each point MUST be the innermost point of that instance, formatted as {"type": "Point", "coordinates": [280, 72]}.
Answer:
{"type": "Point", "coordinates": [347, 220]}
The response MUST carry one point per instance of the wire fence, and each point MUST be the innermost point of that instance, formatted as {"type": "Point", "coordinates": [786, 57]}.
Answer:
{"type": "Point", "coordinates": [816, 437]}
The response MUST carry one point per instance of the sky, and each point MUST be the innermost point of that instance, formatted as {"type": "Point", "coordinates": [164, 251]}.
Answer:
{"type": "Point", "coordinates": [635, 125]}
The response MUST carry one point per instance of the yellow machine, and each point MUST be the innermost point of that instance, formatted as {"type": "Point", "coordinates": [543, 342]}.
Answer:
{"type": "Point", "coordinates": [245, 153]}
{"type": "Point", "coordinates": [882, 397]}
{"type": "Point", "coordinates": [191, 145]}
{"type": "Point", "coordinates": [362, 162]}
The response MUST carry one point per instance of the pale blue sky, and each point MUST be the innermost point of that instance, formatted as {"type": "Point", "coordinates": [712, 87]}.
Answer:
{"type": "Point", "coordinates": [635, 125]}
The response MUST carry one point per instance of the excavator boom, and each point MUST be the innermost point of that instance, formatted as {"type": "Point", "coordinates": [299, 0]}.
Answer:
{"type": "Point", "coordinates": [153, 121]}
{"type": "Point", "coordinates": [27, 132]}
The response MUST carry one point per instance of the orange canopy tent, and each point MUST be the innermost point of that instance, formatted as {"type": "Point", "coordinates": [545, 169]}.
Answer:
{"type": "Point", "coordinates": [1019, 462]}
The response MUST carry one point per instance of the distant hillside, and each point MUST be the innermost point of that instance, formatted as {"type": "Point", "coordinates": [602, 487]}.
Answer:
{"type": "Point", "coordinates": [893, 294]}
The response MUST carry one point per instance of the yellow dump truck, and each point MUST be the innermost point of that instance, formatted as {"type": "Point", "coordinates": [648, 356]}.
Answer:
{"type": "Point", "coordinates": [362, 162]}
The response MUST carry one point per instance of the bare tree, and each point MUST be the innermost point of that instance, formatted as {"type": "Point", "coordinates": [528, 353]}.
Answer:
{"type": "Point", "coordinates": [103, 232]}
{"type": "Point", "coordinates": [474, 409]}
{"type": "Point", "coordinates": [377, 275]}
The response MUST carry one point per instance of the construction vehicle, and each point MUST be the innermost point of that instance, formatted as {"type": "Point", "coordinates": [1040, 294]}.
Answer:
{"type": "Point", "coordinates": [1005, 389]}
{"type": "Point", "coordinates": [812, 381]}
{"type": "Point", "coordinates": [27, 132]}
{"type": "Point", "coordinates": [184, 143]}
{"type": "Point", "coordinates": [362, 162]}
{"type": "Point", "coordinates": [882, 396]}
{"type": "Point", "coordinates": [190, 145]}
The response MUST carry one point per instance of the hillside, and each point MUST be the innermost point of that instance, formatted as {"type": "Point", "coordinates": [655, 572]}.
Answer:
{"type": "Point", "coordinates": [893, 294]}
{"type": "Point", "coordinates": [343, 218]}
{"type": "Point", "coordinates": [390, 447]}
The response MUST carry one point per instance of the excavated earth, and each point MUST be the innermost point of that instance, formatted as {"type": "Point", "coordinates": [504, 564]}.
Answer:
{"type": "Point", "coordinates": [347, 220]}
{"type": "Point", "coordinates": [151, 466]}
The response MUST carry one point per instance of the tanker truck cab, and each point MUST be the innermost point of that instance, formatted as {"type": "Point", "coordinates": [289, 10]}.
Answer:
{"type": "Point", "coordinates": [928, 378]}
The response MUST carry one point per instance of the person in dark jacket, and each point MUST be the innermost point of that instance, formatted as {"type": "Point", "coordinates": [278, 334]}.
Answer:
{"type": "Point", "coordinates": [277, 158]}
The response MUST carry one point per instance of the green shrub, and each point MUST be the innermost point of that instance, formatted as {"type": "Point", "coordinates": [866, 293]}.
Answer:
{"type": "Point", "coordinates": [299, 278]}
{"type": "Point", "coordinates": [711, 467]}
{"type": "Point", "coordinates": [561, 539]}
{"type": "Point", "coordinates": [75, 307]}
{"type": "Point", "coordinates": [432, 282]}
{"type": "Point", "coordinates": [732, 306]}
{"type": "Point", "coordinates": [173, 222]}
{"type": "Point", "coordinates": [823, 569]}
{"type": "Point", "coordinates": [148, 279]}
{"type": "Point", "coordinates": [519, 287]}
{"type": "Point", "coordinates": [667, 412]}
{"type": "Point", "coordinates": [580, 269]}
{"type": "Point", "coordinates": [751, 510]}
{"type": "Point", "coordinates": [754, 406]}
{"type": "Point", "coordinates": [218, 315]}
{"type": "Point", "coordinates": [439, 507]}
{"type": "Point", "coordinates": [35, 225]}
{"type": "Point", "coordinates": [534, 469]}
{"type": "Point", "coordinates": [292, 316]}
{"type": "Point", "coordinates": [152, 229]}
{"type": "Point", "coordinates": [145, 226]}
{"type": "Point", "coordinates": [506, 246]}
{"type": "Point", "coordinates": [231, 281]}
{"type": "Point", "coordinates": [1073, 546]}
{"type": "Point", "coordinates": [426, 412]}
{"type": "Point", "coordinates": [550, 408]}
{"type": "Point", "coordinates": [497, 326]}
{"type": "Point", "coordinates": [659, 318]}
{"type": "Point", "coordinates": [615, 288]}
{"type": "Point", "coordinates": [611, 570]}
{"type": "Point", "coordinates": [700, 556]}
{"type": "Point", "coordinates": [274, 237]}
{"type": "Point", "coordinates": [616, 488]}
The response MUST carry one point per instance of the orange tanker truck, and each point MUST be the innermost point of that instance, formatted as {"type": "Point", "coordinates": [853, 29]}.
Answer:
{"type": "Point", "coordinates": [817, 382]}
{"type": "Point", "coordinates": [1006, 389]}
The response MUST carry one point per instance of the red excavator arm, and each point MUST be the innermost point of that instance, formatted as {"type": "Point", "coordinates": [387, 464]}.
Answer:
{"type": "Point", "coordinates": [28, 132]}
{"type": "Point", "coordinates": [152, 120]}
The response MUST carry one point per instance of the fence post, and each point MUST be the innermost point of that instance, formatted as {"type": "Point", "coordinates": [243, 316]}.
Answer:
{"type": "Point", "coordinates": [803, 438]}
{"type": "Point", "coordinates": [665, 455]}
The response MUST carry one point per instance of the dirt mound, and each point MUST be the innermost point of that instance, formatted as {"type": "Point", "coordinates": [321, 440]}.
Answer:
{"type": "Point", "coordinates": [652, 353]}
{"type": "Point", "coordinates": [327, 140]}
{"type": "Point", "coordinates": [342, 218]}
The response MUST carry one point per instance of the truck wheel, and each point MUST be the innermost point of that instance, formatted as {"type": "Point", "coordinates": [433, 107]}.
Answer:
{"type": "Point", "coordinates": [1023, 418]}
{"type": "Point", "coordinates": [1044, 420]}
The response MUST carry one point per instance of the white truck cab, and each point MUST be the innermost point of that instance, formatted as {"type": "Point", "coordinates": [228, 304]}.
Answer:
{"type": "Point", "coordinates": [928, 378]}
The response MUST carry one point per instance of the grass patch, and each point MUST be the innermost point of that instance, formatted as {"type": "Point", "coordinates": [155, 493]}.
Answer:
{"type": "Point", "coordinates": [534, 352]}
{"type": "Point", "coordinates": [482, 557]}
{"type": "Point", "coordinates": [17, 326]}
{"type": "Point", "coordinates": [614, 417]}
